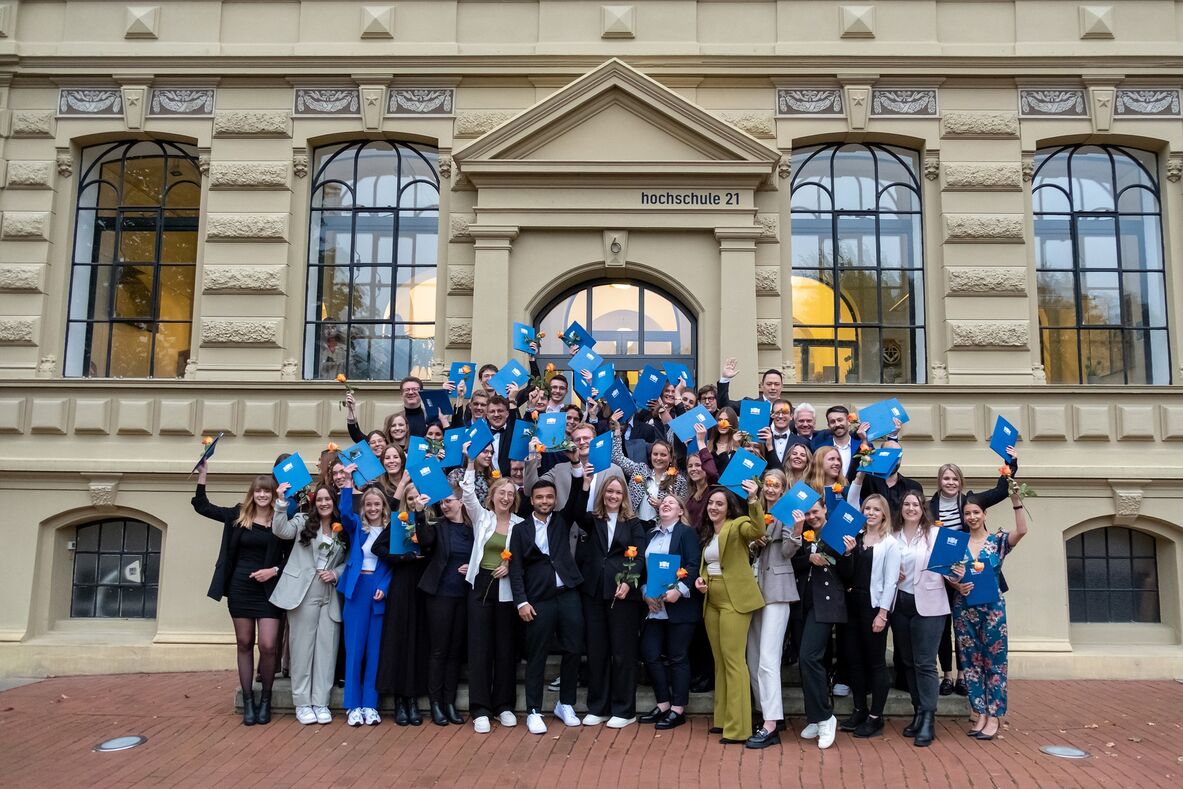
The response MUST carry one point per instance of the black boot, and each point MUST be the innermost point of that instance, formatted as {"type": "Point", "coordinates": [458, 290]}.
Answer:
{"type": "Point", "coordinates": [913, 727]}
{"type": "Point", "coordinates": [248, 709]}
{"type": "Point", "coordinates": [437, 714]}
{"type": "Point", "coordinates": [852, 723]}
{"type": "Point", "coordinates": [413, 716]}
{"type": "Point", "coordinates": [926, 733]}
{"type": "Point", "coordinates": [871, 727]}
{"type": "Point", "coordinates": [400, 711]}
{"type": "Point", "coordinates": [453, 715]}
{"type": "Point", "coordinates": [263, 716]}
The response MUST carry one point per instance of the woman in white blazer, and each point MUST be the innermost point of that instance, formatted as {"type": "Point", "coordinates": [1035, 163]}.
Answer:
{"type": "Point", "coordinates": [492, 616]}
{"type": "Point", "coordinates": [307, 589]}
{"type": "Point", "coordinates": [868, 604]}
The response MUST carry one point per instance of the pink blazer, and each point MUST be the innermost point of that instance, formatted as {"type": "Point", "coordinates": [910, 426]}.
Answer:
{"type": "Point", "coordinates": [931, 597]}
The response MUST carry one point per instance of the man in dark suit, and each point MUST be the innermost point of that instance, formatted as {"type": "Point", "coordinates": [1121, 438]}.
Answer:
{"type": "Point", "coordinates": [545, 582]}
{"type": "Point", "coordinates": [499, 415]}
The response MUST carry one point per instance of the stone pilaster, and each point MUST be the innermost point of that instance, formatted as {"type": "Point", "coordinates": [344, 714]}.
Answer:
{"type": "Point", "coordinates": [737, 282]}
{"type": "Point", "coordinates": [493, 244]}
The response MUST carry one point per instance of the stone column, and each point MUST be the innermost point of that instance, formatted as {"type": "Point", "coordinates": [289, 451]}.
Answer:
{"type": "Point", "coordinates": [737, 319]}
{"type": "Point", "coordinates": [487, 332]}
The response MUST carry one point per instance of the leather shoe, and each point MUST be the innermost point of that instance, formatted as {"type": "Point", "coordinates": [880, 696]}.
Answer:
{"type": "Point", "coordinates": [946, 688]}
{"type": "Point", "coordinates": [437, 714]}
{"type": "Point", "coordinates": [452, 714]}
{"type": "Point", "coordinates": [960, 688]}
{"type": "Point", "coordinates": [871, 727]}
{"type": "Point", "coordinates": [263, 713]}
{"type": "Point", "coordinates": [927, 731]}
{"type": "Point", "coordinates": [653, 715]}
{"type": "Point", "coordinates": [852, 722]}
{"type": "Point", "coordinates": [248, 709]}
{"type": "Point", "coordinates": [400, 712]}
{"type": "Point", "coordinates": [911, 729]}
{"type": "Point", "coordinates": [715, 730]}
{"type": "Point", "coordinates": [727, 741]}
{"type": "Point", "coordinates": [672, 720]}
{"type": "Point", "coordinates": [413, 716]}
{"type": "Point", "coordinates": [702, 685]}
{"type": "Point", "coordinates": [762, 739]}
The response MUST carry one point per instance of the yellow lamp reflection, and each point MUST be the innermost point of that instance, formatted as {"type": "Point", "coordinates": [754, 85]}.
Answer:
{"type": "Point", "coordinates": [815, 332]}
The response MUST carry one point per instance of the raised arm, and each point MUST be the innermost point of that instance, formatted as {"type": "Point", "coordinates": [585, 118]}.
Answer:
{"type": "Point", "coordinates": [475, 509]}
{"type": "Point", "coordinates": [203, 506]}
{"type": "Point", "coordinates": [282, 526]}
{"type": "Point", "coordinates": [629, 467]}
{"type": "Point", "coordinates": [1001, 489]}
{"type": "Point", "coordinates": [1020, 521]}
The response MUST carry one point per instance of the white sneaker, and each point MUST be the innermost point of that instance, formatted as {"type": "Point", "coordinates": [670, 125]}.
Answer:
{"type": "Point", "coordinates": [371, 716]}
{"type": "Point", "coordinates": [841, 690]}
{"type": "Point", "coordinates": [507, 718]}
{"type": "Point", "coordinates": [619, 723]}
{"type": "Point", "coordinates": [593, 720]}
{"type": "Point", "coordinates": [481, 724]}
{"type": "Point", "coordinates": [826, 731]}
{"type": "Point", "coordinates": [535, 723]}
{"type": "Point", "coordinates": [809, 732]}
{"type": "Point", "coordinates": [355, 717]}
{"type": "Point", "coordinates": [566, 713]}
{"type": "Point", "coordinates": [305, 715]}
{"type": "Point", "coordinates": [322, 714]}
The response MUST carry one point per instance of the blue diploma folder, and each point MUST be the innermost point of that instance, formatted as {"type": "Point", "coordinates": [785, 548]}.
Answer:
{"type": "Point", "coordinates": [880, 415]}
{"type": "Point", "coordinates": [650, 382]}
{"type": "Point", "coordinates": [1005, 435]}
{"type": "Point", "coordinates": [430, 480]}
{"type": "Point", "coordinates": [578, 337]}
{"type": "Point", "coordinates": [800, 497]}
{"type": "Point", "coordinates": [676, 370]}
{"type": "Point", "coordinates": [754, 416]}
{"type": "Point", "coordinates": [400, 538]}
{"type": "Point", "coordinates": [618, 398]}
{"type": "Point", "coordinates": [523, 436]}
{"type": "Point", "coordinates": [523, 335]}
{"type": "Point", "coordinates": [208, 452]}
{"type": "Point", "coordinates": [883, 462]}
{"type": "Point", "coordinates": [947, 549]}
{"type": "Point", "coordinates": [417, 449]}
{"type": "Point", "coordinates": [683, 426]}
{"type": "Point", "coordinates": [552, 428]}
{"type": "Point", "coordinates": [844, 521]}
{"type": "Point", "coordinates": [454, 446]}
{"type": "Point", "coordinates": [743, 465]}
{"type": "Point", "coordinates": [585, 359]}
{"type": "Point", "coordinates": [368, 465]}
{"type": "Point", "coordinates": [603, 378]}
{"type": "Point", "coordinates": [455, 376]}
{"type": "Point", "coordinates": [436, 402]}
{"type": "Point", "coordinates": [833, 499]}
{"type": "Point", "coordinates": [479, 436]}
{"type": "Point", "coordinates": [600, 455]}
{"type": "Point", "coordinates": [511, 373]}
{"type": "Point", "coordinates": [985, 584]}
{"type": "Point", "coordinates": [661, 570]}
{"type": "Point", "coordinates": [294, 472]}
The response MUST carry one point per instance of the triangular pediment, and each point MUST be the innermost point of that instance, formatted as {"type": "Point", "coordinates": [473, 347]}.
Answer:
{"type": "Point", "coordinates": [615, 114]}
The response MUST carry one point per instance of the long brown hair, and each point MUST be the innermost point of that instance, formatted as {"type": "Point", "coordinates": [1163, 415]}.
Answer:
{"type": "Point", "coordinates": [247, 512]}
{"type": "Point", "coordinates": [817, 474]}
{"type": "Point", "coordinates": [312, 522]}
{"type": "Point", "coordinates": [390, 486]}
{"type": "Point", "coordinates": [805, 472]}
{"type": "Point", "coordinates": [725, 413]}
{"type": "Point", "coordinates": [925, 525]}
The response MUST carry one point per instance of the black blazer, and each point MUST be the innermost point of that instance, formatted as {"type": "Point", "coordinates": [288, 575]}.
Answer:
{"type": "Point", "coordinates": [1000, 492]}
{"type": "Point", "coordinates": [684, 543]}
{"type": "Point", "coordinates": [435, 540]}
{"type": "Point", "coordinates": [228, 552]}
{"type": "Point", "coordinates": [532, 572]}
{"type": "Point", "coordinates": [599, 561]}
{"type": "Point", "coordinates": [824, 588]}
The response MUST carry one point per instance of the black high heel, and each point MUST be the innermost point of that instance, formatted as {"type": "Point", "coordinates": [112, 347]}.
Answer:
{"type": "Point", "coordinates": [263, 716]}
{"type": "Point", "coordinates": [248, 710]}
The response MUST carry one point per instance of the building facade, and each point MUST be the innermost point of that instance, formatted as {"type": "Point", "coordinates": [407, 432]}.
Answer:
{"type": "Point", "coordinates": [211, 208]}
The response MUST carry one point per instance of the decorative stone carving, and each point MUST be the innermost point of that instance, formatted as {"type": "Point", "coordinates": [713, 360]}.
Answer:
{"type": "Point", "coordinates": [25, 226]}
{"type": "Point", "coordinates": [932, 167]}
{"type": "Point", "coordinates": [32, 123]}
{"type": "Point", "coordinates": [142, 21]}
{"type": "Point", "coordinates": [1102, 98]}
{"type": "Point", "coordinates": [474, 123]}
{"type": "Point", "coordinates": [857, 21]}
{"type": "Point", "coordinates": [191, 368]}
{"type": "Point", "coordinates": [459, 332]}
{"type": "Point", "coordinates": [203, 164]}
{"type": "Point", "coordinates": [421, 101]}
{"type": "Point", "coordinates": [1028, 168]}
{"type": "Point", "coordinates": [289, 370]}
{"type": "Point", "coordinates": [327, 101]}
{"type": "Point", "coordinates": [799, 101]}
{"type": "Point", "coordinates": [769, 225]}
{"type": "Point", "coordinates": [300, 165]}
{"type": "Point", "coordinates": [133, 105]}
{"type": "Point", "coordinates": [1127, 501]}
{"type": "Point", "coordinates": [904, 103]}
{"type": "Point", "coordinates": [377, 21]}
{"type": "Point", "coordinates": [970, 125]}
{"type": "Point", "coordinates": [1038, 375]}
{"type": "Point", "coordinates": [248, 175]}
{"type": "Point", "coordinates": [20, 277]}
{"type": "Point", "coordinates": [444, 165]}
{"type": "Point", "coordinates": [1096, 21]}
{"type": "Point", "coordinates": [984, 228]}
{"type": "Point", "coordinates": [371, 106]}
{"type": "Point", "coordinates": [190, 102]}
{"type": "Point", "coordinates": [246, 227]}
{"type": "Point", "coordinates": [65, 165]}
{"type": "Point", "coordinates": [6, 15]}
{"type": "Point", "coordinates": [757, 124]}
{"type": "Point", "coordinates": [47, 367]}
{"type": "Point", "coordinates": [251, 123]}
{"type": "Point", "coordinates": [768, 333]}
{"type": "Point", "coordinates": [1052, 103]}
{"type": "Point", "coordinates": [785, 168]}
{"type": "Point", "coordinates": [789, 372]}
{"type": "Point", "coordinates": [461, 280]}
{"type": "Point", "coordinates": [103, 494]}
{"type": "Point", "coordinates": [105, 102]}
{"type": "Point", "coordinates": [17, 331]}
{"type": "Point", "coordinates": [988, 334]}
{"type": "Point", "coordinates": [938, 373]}
{"type": "Point", "coordinates": [1175, 168]}
{"type": "Point", "coordinates": [767, 281]}
{"type": "Point", "coordinates": [458, 225]}
{"type": "Point", "coordinates": [983, 177]}
{"type": "Point", "coordinates": [618, 21]}
{"type": "Point", "coordinates": [29, 175]}
{"type": "Point", "coordinates": [439, 369]}
{"type": "Point", "coordinates": [1147, 103]}
{"type": "Point", "coordinates": [986, 281]}
{"type": "Point", "coordinates": [858, 101]}
{"type": "Point", "coordinates": [240, 331]}
{"type": "Point", "coordinates": [244, 279]}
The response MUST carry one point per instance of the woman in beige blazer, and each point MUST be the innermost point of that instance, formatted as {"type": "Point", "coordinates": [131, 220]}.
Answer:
{"type": "Point", "coordinates": [307, 590]}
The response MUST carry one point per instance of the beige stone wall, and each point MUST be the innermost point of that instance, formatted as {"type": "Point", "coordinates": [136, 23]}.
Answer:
{"type": "Point", "coordinates": [546, 146]}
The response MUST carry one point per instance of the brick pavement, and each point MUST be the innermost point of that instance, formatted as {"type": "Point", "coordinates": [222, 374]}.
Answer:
{"type": "Point", "coordinates": [1134, 731]}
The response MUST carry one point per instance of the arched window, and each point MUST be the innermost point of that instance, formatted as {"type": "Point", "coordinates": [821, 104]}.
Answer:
{"type": "Point", "coordinates": [1099, 266]}
{"type": "Point", "coordinates": [116, 570]}
{"type": "Point", "coordinates": [135, 251]}
{"type": "Point", "coordinates": [373, 236]}
{"type": "Point", "coordinates": [858, 265]}
{"type": "Point", "coordinates": [1112, 576]}
{"type": "Point", "coordinates": [634, 325]}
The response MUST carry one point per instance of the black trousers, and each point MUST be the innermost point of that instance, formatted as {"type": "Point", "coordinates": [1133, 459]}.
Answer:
{"type": "Point", "coordinates": [866, 654]}
{"type": "Point", "coordinates": [612, 634]}
{"type": "Point", "coordinates": [945, 649]}
{"type": "Point", "coordinates": [560, 618]}
{"type": "Point", "coordinates": [815, 679]}
{"type": "Point", "coordinates": [665, 648]}
{"type": "Point", "coordinates": [492, 649]}
{"type": "Point", "coordinates": [915, 638]}
{"type": "Point", "coordinates": [702, 661]}
{"type": "Point", "coordinates": [447, 622]}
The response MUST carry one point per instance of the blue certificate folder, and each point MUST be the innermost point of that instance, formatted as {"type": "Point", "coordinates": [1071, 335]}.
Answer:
{"type": "Point", "coordinates": [600, 454]}
{"type": "Point", "coordinates": [552, 428]}
{"type": "Point", "coordinates": [512, 372]}
{"type": "Point", "coordinates": [985, 584]}
{"type": "Point", "coordinates": [479, 436]}
{"type": "Point", "coordinates": [400, 538]}
{"type": "Point", "coordinates": [674, 371]}
{"type": "Point", "coordinates": [883, 462]}
{"type": "Point", "coordinates": [523, 434]}
{"type": "Point", "coordinates": [523, 335]}
{"type": "Point", "coordinates": [1005, 435]}
{"type": "Point", "coordinates": [800, 497]}
{"type": "Point", "coordinates": [661, 570]}
{"type": "Point", "coordinates": [436, 402]}
{"type": "Point", "coordinates": [417, 449]}
{"type": "Point", "coordinates": [585, 359]}
{"type": "Point", "coordinates": [743, 465]}
{"type": "Point", "coordinates": [618, 398]}
{"type": "Point", "coordinates": [601, 379]}
{"type": "Point", "coordinates": [683, 426]}
{"type": "Point", "coordinates": [454, 446]}
{"type": "Point", "coordinates": [754, 416]}
{"type": "Point", "coordinates": [294, 472]}
{"type": "Point", "coordinates": [844, 521]}
{"type": "Point", "coordinates": [208, 452]}
{"type": "Point", "coordinates": [578, 337]}
{"type": "Point", "coordinates": [947, 549]}
{"type": "Point", "coordinates": [881, 415]}
{"type": "Point", "coordinates": [456, 376]}
{"type": "Point", "coordinates": [429, 479]}
{"type": "Point", "coordinates": [650, 383]}
{"type": "Point", "coordinates": [368, 465]}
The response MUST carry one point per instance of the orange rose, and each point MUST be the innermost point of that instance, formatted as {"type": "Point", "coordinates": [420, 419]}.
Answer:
{"type": "Point", "coordinates": [767, 519]}
{"type": "Point", "coordinates": [782, 409]}
{"type": "Point", "coordinates": [550, 366]}
{"type": "Point", "coordinates": [809, 536]}
{"type": "Point", "coordinates": [332, 447]}
{"type": "Point", "coordinates": [206, 441]}
{"type": "Point", "coordinates": [402, 516]}
{"type": "Point", "coordinates": [852, 418]}
{"type": "Point", "coordinates": [506, 555]}
{"type": "Point", "coordinates": [978, 567]}
{"type": "Point", "coordinates": [541, 334]}
{"type": "Point", "coordinates": [341, 378]}
{"type": "Point", "coordinates": [337, 528]}
{"type": "Point", "coordinates": [724, 424]}
{"type": "Point", "coordinates": [681, 573]}
{"type": "Point", "coordinates": [938, 524]}
{"type": "Point", "coordinates": [496, 474]}
{"type": "Point", "coordinates": [864, 447]}
{"type": "Point", "coordinates": [630, 552]}
{"type": "Point", "coordinates": [1004, 470]}
{"type": "Point", "coordinates": [534, 415]}
{"type": "Point", "coordinates": [637, 478]}
{"type": "Point", "coordinates": [836, 488]}
{"type": "Point", "coordinates": [465, 370]}
{"type": "Point", "coordinates": [671, 472]}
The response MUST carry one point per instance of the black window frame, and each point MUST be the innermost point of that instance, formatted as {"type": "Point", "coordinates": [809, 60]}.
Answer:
{"type": "Point", "coordinates": [149, 599]}
{"type": "Point", "coordinates": [1084, 601]}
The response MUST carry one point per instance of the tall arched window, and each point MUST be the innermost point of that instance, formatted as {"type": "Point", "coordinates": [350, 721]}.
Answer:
{"type": "Point", "coordinates": [634, 325]}
{"type": "Point", "coordinates": [858, 264]}
{"type": "Point", "coordinates": [116, 569]}
{"type": "Point", "coordinates": [135, 251]}
{"type": "Point", "coordinates": [1099, 266]}
{"type": "Point", "coordinates": [373, 236]}
{"type": "Point", "coordinates": [1113, 576]}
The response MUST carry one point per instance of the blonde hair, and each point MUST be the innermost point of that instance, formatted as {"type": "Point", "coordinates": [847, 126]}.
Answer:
{"type": "Point", "coordinates": [885, 527]}
{"type": "Point", "coordinates": [776, 474]}
{"type": "Point", "coordinates": [956, 469]}
{"type": "Point", "coordinates": [497, 485]}
{"type": "Point", "coordinates": [248, 511]}
{"type": "Point", "coordinates": [373, 491]}
{"type": "Point", "coordinates": [817, 474]}
{"type": "Point", "coordinates": [626, 506]}
{"type": "Point", "coordinates": [793, 476]}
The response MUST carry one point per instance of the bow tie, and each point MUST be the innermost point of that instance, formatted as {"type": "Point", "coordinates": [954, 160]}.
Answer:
{"type": "Point", "coordinates": [497, 430]}
{"type": "Point", "coordinates": [780, 436]}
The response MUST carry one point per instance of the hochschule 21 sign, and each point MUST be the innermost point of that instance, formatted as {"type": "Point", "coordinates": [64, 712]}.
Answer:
{"type": "Point", "coordinates": [691, 198]}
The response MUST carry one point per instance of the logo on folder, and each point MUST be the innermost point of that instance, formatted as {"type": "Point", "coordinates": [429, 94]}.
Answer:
{"type": "Point", "coordinates": [848, 518]}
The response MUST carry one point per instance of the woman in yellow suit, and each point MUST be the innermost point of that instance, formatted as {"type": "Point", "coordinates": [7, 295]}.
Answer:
{"type": "Point", "coordinates": [731, 597]}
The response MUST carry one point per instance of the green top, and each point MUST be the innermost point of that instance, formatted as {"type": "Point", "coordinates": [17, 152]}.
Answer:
{"type": "Point", "coordinates": [491, 558]}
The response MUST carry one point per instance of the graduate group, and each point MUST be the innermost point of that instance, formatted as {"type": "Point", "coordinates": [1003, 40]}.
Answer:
{"type": "Point", "coordinates": [661, 533]}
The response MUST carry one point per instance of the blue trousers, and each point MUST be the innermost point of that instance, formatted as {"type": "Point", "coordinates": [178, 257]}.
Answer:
{"type": "Point", "coordinates": [363, 638]}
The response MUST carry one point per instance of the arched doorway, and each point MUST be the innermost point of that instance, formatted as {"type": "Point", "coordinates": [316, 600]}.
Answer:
{"type": "Point", "coordinates": [634, 324]}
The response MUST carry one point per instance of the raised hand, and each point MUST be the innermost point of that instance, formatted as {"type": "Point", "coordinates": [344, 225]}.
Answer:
{"type": "Point", "coordinates": [730, 367]}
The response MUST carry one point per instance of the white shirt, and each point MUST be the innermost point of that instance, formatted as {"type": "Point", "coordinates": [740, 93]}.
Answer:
{"type": "Point", "coordinates": [542, 539]}
{"type": "Point", "coordinates": [912, 556]}
{"type": "Point", "coordinates": [845, 452]}
{"type": "Point", "coordinates": [711, 556]}
{"type": "Point", "coordinates": [611, 522]}
{"type": "Point", "coordinates": [780, 442]}
{"type": "Point", "coordinates": [369, 562]}
{"type": "Point", "coordinates": [577, 473]}
{"type": "Point", "coordinates": [323, 541]}
{"type": "Point", "coordinates": [659, 542]}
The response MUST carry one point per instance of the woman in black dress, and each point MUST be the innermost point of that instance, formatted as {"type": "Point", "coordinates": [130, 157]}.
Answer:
{"type": "Point", "coordinates": [249, 563]}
